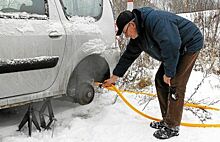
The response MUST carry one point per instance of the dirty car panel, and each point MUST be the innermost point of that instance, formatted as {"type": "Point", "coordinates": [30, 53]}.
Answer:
{"type": "Point", "coordinates": [43, 41]}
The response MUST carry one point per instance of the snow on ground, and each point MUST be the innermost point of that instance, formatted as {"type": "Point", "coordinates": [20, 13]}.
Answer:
{"type": "Point", "coordinates": [105, 120]}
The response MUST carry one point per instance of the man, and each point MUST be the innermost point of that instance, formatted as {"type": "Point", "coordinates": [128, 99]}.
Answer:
{"type": "Point", "coordinates": [175, 42]}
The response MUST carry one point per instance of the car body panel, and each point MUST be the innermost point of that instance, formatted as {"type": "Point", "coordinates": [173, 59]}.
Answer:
{"type": "Point", "coordinates": [79, 39]}
{"type": "Point", "coordinates": [27, 39]}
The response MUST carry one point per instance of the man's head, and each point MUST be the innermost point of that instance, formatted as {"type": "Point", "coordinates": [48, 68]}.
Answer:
{"type": "Point", "coordinates": [125, 23]}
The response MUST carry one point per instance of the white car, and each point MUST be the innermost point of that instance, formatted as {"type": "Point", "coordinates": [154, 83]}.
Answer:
{"type": "Point", "coordinates": [51, 48]}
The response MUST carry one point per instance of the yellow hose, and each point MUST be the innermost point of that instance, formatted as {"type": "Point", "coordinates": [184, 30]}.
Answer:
{"type": "Point", "coordinates": [156, 119]}
{"type": "Point", "coordinates": [186, 104]}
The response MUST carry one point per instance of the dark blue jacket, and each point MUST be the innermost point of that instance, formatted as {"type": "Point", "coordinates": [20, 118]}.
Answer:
{"type": "Point", "coordinates": [164, 36]}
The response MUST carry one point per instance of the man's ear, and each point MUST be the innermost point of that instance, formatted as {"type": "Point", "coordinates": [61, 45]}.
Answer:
{"type": "Point", "coordinates": [133, 24]}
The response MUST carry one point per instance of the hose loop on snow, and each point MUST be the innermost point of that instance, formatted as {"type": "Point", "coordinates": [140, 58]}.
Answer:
{"type": "Point", "coordinates": [119, 92]}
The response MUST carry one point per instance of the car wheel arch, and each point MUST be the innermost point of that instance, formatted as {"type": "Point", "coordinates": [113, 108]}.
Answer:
{"type": "Point", "coordinates": [92, 68]}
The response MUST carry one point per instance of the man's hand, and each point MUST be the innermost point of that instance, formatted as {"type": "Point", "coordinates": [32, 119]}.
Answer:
{"type": "Point", "coordinates": [167, 79]}
{"type": "Point", "coordinates": [110, 81]}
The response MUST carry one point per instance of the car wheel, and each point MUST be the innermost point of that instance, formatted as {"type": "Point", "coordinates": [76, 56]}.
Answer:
{"type": "Point", "coordinates": [91, 69]}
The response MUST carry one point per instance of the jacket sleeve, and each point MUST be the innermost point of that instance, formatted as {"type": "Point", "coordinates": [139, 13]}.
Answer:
{"type": "Point", "coordinates": [166, 34]}
{"type": "Point", "coordinates": [128, 57]}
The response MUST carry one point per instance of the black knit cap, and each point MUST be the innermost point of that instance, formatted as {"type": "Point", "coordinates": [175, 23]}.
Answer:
{"type": "Point", "coordinates": [123, 18]}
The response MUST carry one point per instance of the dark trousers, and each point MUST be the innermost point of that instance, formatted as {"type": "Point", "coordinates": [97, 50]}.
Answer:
{"type": "Point", "coordinates": [171, 109]}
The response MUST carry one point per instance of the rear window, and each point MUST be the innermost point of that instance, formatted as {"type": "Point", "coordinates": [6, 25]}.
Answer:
{"type": "Point", "coordinates": [28, 6]}
{"type": "Point", "coordinates": [91, 8]}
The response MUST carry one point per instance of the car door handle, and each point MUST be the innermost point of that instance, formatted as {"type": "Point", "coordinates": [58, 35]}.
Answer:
{"type": "Point", "coordinates": [54, 34]}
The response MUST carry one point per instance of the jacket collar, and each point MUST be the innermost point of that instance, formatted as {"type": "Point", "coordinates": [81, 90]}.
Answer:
{"type": "Point", "coordinates": [140, 16]}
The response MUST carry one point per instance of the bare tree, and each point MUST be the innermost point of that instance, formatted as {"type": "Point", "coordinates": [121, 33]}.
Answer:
{"type": "Point", "coordinates": [119, 6]}
{"type": "Point", "coordinates": [180, 6]}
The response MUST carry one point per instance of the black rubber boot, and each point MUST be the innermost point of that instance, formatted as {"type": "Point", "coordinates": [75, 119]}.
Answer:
{"type": "Point", "coordinates": [166, 133]}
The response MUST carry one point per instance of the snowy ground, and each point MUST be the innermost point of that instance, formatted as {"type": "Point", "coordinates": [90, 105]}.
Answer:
{"type": "Point", "coordinates": [106, 121]}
